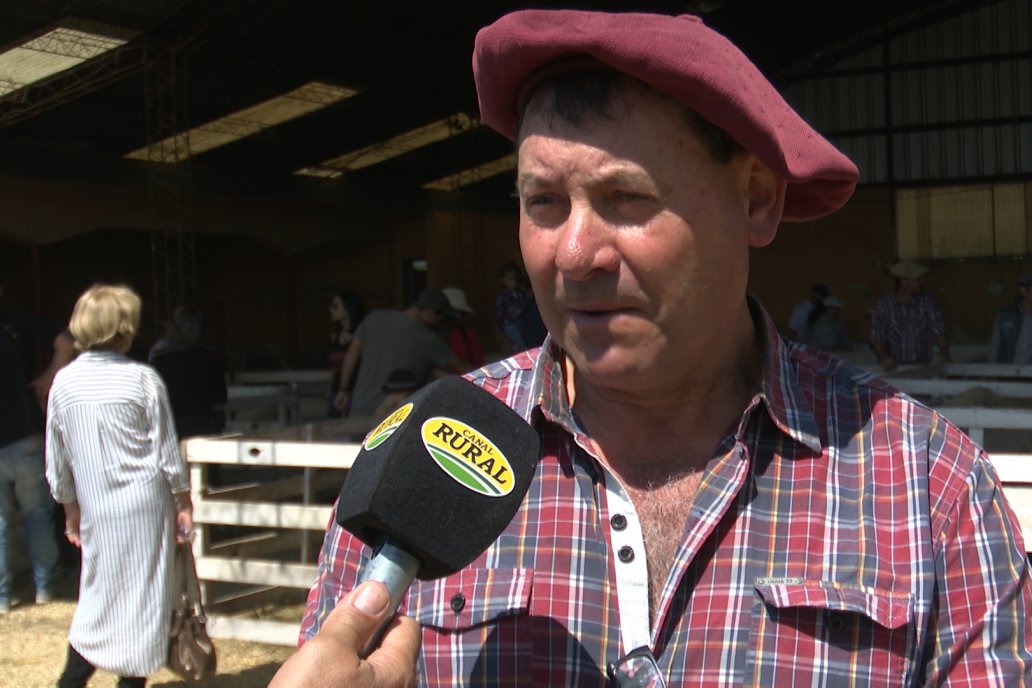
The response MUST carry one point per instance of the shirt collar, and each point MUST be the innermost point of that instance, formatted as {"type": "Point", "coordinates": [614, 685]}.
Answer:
{"type": "Point", "coordinates": [788, 409]}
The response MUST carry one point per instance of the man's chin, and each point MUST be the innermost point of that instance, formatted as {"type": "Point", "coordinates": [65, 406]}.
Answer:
{"type": "Point", "coordinates": [605, 364]}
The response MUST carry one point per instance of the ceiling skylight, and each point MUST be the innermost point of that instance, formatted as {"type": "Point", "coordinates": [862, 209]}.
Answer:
{"type": "Point", "coordinates": [68, 45]}
{"type": "Point", "coordinates": [474, 174]}
{"type": "Point", "coordinates": [247, 122]}
{"type": "Point", "coordinates": [392, 148]}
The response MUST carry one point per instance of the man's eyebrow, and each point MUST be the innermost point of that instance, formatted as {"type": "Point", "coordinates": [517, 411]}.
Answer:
{"type": "Point", "coordinates": [618, 176]}
{"type": "Point", "coordinates": [628, 177]}
{"type": "Point", "coordinates": [524, 180]}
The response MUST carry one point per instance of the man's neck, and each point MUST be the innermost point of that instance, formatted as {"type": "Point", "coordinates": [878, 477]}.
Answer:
{"type": "Point", "coordinates": [645, 437]}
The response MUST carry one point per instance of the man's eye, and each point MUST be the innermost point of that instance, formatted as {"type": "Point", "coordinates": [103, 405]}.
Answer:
{"type": "Point", "coordinates": [545, 210]}
{"type": "Point", "coordinates": [538, 201]}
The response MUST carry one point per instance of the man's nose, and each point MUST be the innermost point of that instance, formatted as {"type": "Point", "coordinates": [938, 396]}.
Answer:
{"type": "Point", "coordinates": [585, 245]}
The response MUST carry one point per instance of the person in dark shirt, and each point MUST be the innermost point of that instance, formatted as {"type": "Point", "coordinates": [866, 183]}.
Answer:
{"type": "Point", "coordinates": [1012, 332]}
{"type": "Point", "coordinates": [22, 483]}
{"type": "Point", "coordinates": [195, 379]}
{"type": "Point", "coordinates": [346, 312]}
{"type": "Point", "coordinates": [510, 305]}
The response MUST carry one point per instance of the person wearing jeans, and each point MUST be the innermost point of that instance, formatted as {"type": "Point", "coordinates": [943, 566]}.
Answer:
{"type": "Point", "coordinates": [22, 485]}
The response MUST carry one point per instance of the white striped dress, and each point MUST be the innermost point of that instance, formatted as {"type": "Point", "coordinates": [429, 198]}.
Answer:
{"type": "Point", "coordinates": [111, 446]}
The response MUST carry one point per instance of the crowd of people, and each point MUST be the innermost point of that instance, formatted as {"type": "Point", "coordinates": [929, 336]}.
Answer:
{"type": "Point", "coordinates": [907, 325]}
{"type": "Point", "coordinates": [714, 504]}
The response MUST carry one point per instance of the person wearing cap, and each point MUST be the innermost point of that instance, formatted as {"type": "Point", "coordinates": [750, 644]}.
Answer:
{"type": "Point", "coordinates": [713, 505]}
{"type": "Point", "coordinates": [1012, 332]}
{"type": "Point", "coordinates": [399, 386]}
{"type": "Point", "coordinates": [387, 340]}
{"type": "Point", "coordinates": [462, 338]}
{"type": "Point", "coordinates": [907, 323]}
{"type": "Point", "coordinates": [827, 331]}
{"type": "Point", "coordinates": [798, 322]}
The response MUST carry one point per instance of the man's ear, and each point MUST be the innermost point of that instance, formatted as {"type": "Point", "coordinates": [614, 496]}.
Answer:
{"type": "Point", "coordinates": [766, 194]}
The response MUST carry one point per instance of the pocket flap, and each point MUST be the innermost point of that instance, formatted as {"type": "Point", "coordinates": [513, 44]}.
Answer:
{"type": "Point", "coordinates": [470, 597]}
{"type": "Point", "coordinates": [888, 609]}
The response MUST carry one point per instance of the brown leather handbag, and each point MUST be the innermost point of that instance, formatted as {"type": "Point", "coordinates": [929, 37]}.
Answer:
{"type": "Point", "coordinates": [191, 654]}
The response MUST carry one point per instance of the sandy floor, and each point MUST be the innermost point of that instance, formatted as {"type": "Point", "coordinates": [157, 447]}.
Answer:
{"type": "Point", "coordinates": [33, 646]}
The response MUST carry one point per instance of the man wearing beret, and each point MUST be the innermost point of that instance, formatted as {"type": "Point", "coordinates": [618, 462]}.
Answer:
{"type": "Point", "coordinates": [906, 323]}
{"type": "Point", "coordinates": [1012, 332]}
{"type": "Point", "coordinates": [714, 505]}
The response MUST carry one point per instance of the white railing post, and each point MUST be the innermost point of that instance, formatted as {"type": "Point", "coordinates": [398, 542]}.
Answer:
{"type": "Point", "coordinates": [261, 506]}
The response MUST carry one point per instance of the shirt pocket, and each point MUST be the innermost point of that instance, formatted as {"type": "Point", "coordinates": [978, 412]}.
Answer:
{"type": "Point", "coordinates": [476, 627]}
{"type": "Point", "coordinates": [831, 634]}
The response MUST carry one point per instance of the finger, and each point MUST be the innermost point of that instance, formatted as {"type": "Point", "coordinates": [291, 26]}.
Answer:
{"type": "Point", "coordinates": [393, 662]}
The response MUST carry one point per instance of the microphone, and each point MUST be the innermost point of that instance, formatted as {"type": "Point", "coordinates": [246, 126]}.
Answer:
{"type": "Point", "coordinates": [435, 483]}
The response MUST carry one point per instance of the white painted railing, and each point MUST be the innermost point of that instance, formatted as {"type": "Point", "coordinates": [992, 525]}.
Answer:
{"type": "Point", "coordinates": [263, 400]}
{"type": "Point", "coordinates": [259, 505]}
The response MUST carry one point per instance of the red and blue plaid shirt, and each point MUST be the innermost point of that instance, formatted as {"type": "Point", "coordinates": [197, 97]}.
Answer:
{"type": "Point", "coordinates": [843, 535]}
{"type": "Point", "coordinates": [908, 330]}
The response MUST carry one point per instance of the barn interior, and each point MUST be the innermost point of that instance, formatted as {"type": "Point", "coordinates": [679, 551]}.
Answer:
{"type": "Point", "coordinates": [253, 156]}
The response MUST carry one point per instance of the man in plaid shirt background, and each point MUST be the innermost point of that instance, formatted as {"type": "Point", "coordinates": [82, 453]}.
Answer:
{"type": "Point", "coordinates": [906, 323]}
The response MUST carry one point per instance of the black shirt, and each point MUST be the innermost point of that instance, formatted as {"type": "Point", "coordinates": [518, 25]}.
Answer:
{"type": "Point", "coordinates": [22, 339]}
{"type": "Point", "coordinates": [196, 385]}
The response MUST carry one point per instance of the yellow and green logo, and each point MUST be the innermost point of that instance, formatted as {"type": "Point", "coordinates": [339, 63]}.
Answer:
{"type": "Point", "coordinates": [467, 456]}
{"type": "Point", "coordinates": [387, 427]}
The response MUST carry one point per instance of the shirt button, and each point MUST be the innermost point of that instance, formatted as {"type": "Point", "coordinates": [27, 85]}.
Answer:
{"type": "Point", "coordinates": [619, 522]}
{"type": "Point", "coordinates": [458, 602]}
{"type": "Point", "coordinates": [835, 622]}
{"type": "Point", "coordinates": [626, 554]}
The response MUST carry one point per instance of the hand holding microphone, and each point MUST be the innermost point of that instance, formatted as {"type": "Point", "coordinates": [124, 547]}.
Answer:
{"type": "Point", "coordinates": [433, 486]}
{"type": "Point", "coordinates": [330, 659]}
{"type": "Point", "coordinates": [436, 483]}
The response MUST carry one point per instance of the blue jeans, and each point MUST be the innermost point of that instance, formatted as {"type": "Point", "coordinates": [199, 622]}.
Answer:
{"type": "Point", "coordinates": [23, 486]}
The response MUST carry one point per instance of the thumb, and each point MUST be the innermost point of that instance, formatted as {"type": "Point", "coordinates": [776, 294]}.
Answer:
{"type": "Point", "coordinates": [355, 621]}
{"type": "Point", "coordinates": [357, 616]}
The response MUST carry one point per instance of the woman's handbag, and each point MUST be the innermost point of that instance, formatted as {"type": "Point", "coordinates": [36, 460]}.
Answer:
{"type": "Point", "coordinates": [191, 654]}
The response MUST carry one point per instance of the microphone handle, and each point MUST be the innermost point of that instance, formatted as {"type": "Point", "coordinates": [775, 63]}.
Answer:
{"type": "Point", "coordinates": [395, 567]}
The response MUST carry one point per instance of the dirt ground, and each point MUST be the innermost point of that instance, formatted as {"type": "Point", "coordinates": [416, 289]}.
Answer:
{"type": "Point", "coordinates": [33, 644]}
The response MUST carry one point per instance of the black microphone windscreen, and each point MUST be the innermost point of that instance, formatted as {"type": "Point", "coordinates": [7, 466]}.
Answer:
{"type": "Point", "coordinates": [443, 475]}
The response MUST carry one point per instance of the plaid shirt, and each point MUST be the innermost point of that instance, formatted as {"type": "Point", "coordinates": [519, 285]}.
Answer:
{"type": "Point", "coordinates": [843, 535]}
{"type": "Point", "coordinates": [908, 330]}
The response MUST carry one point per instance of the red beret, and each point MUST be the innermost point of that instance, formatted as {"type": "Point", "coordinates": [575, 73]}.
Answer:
{"type": "Point", "coordinates": [679, 56]}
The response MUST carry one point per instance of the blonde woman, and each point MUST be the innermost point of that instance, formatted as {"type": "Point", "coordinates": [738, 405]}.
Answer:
{"type": "Point", "coordinates": [113, 461]}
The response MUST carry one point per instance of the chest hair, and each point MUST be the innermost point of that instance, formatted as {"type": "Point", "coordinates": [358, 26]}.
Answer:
{"type": "Point", "coordinates": [663, 511]}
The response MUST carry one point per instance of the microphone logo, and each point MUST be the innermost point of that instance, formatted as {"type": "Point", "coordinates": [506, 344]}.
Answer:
{"type": "Point", "coordinates": [387, 427]}
{"type": "Point", "coordinates": [467, 456]}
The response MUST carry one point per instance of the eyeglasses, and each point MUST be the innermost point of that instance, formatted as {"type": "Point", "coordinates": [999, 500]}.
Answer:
{"type": "Point", "coordinates": [636, 669]}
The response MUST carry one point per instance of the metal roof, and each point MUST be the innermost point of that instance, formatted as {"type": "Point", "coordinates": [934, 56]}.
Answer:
{"type": "Point", "coordinates": [408, 64]}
